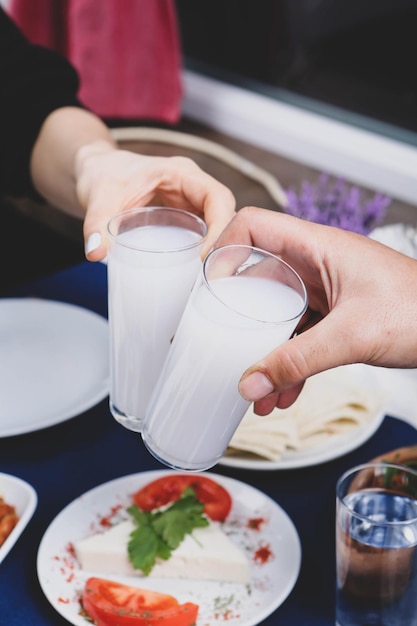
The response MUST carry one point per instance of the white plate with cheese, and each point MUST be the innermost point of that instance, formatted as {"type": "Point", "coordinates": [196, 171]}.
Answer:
{"type": "Point", "coordinates": [256, 525]}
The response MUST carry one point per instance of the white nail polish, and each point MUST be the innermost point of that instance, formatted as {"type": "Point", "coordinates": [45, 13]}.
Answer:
{"type": "Point", "coordinates": [93, 242]}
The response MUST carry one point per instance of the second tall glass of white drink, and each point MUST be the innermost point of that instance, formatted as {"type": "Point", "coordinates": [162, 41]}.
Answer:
{"type": "Point", "coordinates": [153, 260]}
{"type": "Point", "coordinates": [245, 303]}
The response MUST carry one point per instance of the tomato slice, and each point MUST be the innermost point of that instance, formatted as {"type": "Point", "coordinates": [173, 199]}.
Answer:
{"type": "Point", "coordinates": [216, 499]}
{"type": "Point", "coordinates": [108, 603]}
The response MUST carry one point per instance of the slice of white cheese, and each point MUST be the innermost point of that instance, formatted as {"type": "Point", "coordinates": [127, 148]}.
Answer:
{"type": "Point", "coordinates": [206, 554]}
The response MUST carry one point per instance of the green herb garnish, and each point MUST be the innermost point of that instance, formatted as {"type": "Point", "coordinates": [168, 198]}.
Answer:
{"type": "Point", "coordinates": [160, 532]}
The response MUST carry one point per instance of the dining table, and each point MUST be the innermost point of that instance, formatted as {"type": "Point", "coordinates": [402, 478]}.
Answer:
{"type": "Point", "coordinates": [65, 460]}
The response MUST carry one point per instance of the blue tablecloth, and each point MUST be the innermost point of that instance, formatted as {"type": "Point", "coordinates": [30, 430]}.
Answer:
{"type": "Point", "coordinates": [68, 459]}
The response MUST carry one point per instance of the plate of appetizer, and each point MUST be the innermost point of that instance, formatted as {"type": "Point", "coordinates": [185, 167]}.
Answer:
{"type": "Point", "coordinates": [203, 546]}
{"type": "Point", "coordinates": [18, 502]}
{"type": "Point", "coordinates": [336, 412]}
{"type": "Point", "coordinates": [54, 364]}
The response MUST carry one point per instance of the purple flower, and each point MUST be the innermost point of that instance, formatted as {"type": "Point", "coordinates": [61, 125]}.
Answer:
{"type": "Point", "coordinates": [336, 203]}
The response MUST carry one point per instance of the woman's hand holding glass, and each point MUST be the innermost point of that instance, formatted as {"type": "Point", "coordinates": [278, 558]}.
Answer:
{"type": "Point", "coordinates": [111, 180]}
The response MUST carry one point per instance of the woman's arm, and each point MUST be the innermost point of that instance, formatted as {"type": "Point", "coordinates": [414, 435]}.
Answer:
{"type": "Point", "coordinates": [76, 166]}
{"type": "Point", "coordinates": [53, 158]}
{"type": "Point", "coordinates": [54, 148]}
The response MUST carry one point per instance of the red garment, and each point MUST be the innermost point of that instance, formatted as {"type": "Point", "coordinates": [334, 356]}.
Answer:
{"type": "Point", "coordinates": [127, 52]}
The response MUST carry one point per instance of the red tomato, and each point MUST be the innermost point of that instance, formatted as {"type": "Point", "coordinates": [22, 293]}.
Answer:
{"type": "Point", "coordinates": [108, 603]}
{"type": "Point", "coordinates": [216, 499]}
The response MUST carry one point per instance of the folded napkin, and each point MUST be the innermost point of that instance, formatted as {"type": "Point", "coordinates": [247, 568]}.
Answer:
{"type": "Point", "coordinates": [332, 404]}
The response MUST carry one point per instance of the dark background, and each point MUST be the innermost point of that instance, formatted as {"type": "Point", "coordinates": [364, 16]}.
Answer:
{"type": "Point", "coordinates": [353, 59]}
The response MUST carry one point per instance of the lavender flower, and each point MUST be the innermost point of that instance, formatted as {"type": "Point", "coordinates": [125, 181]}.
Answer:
{"type": "Point", "coordinates": [334, 202]}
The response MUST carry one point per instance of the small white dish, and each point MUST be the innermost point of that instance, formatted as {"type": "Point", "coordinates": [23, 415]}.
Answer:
{"type": "Point", "coordinates": [23, 497]}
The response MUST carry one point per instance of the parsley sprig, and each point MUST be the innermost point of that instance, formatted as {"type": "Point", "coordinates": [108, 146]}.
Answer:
{"type": "Point", "coordinates": [160, 532]}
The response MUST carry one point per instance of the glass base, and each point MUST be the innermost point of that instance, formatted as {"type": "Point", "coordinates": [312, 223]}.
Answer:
{"type": "Point", "coordinates": [172, 462]}
{"type": "Point", "coordinates": [128, 421]}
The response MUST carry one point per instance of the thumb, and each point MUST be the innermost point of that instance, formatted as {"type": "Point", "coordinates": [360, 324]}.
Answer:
{"type": "Point", "coordinates": [284, 370]}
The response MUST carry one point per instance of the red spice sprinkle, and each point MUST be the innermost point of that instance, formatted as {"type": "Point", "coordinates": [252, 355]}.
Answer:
{"type": "Point", "coordinates": [70, 549]}
{"type": "Point", "coordinates": [255, 523]}
{"type": "Point", "coordinates": [226, 615]}
{"type": "Point", "coordinates": [63, 600]}
{"type": "Point", "coordinates": [263, 555]}
{"type": "Point", "coordinates": [106, 521]}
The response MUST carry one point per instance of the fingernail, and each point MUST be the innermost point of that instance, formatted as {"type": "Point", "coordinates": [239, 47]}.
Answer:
{"type": "Point", "coordinates": [255, 387]}
{"type": "Point", "coordinates": [93, 242]}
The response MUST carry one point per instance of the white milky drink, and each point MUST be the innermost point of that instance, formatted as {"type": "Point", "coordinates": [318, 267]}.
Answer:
{"type": "Point", "coordinates": [151, 271]}
{"type": "Point", "coordinates": [196, 405]}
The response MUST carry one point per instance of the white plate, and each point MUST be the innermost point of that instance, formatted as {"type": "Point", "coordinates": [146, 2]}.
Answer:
{"type": "Point", "coordinates": [22, 496]}
{"type": "Point", "coordinates": [54, 363]}
{"type": "Point", "coordinates": [62, 581]}
{"type": "Point", "coordinates": [334, 448]}
{"type": "Point", "coordinates": [321, 454]}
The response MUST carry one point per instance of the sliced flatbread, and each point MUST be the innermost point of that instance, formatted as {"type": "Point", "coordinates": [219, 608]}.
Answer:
{"type": "Point", "coordinates": [332, 404]}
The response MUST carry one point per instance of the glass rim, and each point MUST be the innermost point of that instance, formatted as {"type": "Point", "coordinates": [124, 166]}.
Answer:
{"type": "Point", "coordinates": [370, 465]}
{"type": "Point", "coordinates": [265, 253]}
{"type": "Point", "coordinates": [150, 209]}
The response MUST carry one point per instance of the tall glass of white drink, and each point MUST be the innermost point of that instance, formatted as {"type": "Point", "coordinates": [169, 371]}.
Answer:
{"type": "Point", "coordinates": [245, 303]}
{"type": "Point", "coordinates": [153, 260]}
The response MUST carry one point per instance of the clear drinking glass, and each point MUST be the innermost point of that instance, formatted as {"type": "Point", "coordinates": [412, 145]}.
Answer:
{"type": "Point", "coordinates": [245, 303]}
{"type": "Point", "coordinates": [376, 537]}
{"type": "Point", "coordinates": [153, 260]}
